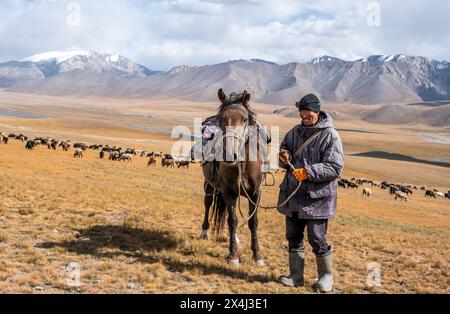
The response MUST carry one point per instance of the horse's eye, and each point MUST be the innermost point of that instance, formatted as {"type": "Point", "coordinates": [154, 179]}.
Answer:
{"type": "Point", "coordinates": [245, 120]}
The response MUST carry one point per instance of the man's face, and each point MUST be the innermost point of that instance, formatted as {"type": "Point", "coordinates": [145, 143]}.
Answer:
{"type": "Point", "coordinates": [308, 117]}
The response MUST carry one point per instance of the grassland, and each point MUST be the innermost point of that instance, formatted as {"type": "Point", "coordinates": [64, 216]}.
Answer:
{"type": "Point", "coordinates": [134, 229]}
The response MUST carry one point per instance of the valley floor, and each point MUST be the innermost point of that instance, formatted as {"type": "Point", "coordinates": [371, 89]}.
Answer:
{"type": "Point", "coordinates": [134, 229]}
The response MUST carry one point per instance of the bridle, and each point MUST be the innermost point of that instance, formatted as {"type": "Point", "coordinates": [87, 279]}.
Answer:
{"type": "Point", "coordinates": [240, 137]}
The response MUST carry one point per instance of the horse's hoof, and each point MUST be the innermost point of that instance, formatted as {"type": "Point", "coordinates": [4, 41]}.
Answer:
{"type": "Point", "coordinates": [261, 263]}
{"type": "Point", "coordinates": [204, 235]}
{"type": "Point", "coordinates": [233, 261]}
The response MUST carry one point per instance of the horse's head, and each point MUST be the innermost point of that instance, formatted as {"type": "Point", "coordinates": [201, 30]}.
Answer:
{"type": "Point", "coordinates": [234, 118]}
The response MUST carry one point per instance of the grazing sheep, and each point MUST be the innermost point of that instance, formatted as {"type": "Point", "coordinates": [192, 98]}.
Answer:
{"type": "Point", "coordinates": [183, 164]}
{"type": "Point", "coordinates": [29, 145]}
{"type": "Point", "coordinates": [376, 183]}
{"type": "Point", "coordinates": [95, 147]}
{"type": "Point", "coordinates": [126, 157]}
{"type": "Point", "coordinates": [393, 190]}
{"type": "Point", "coordinates": [440, 194]}
{"type": "Point", "coordinates": [54, 145]}
{"type": "Point", "coordinates": [65, 145]}
{"type": "Point", "coordinates": [78, 153]}
{"type": "Point", "coordinates": [21, 137]}
{"type": "Point", "coordinates": [151, 161]}
{"type": "Point", "coordinates": [82, 146]}
{"type": "Point", "coordinates": [406, 190]}
{"type": "Point", "coordinates": [167, 162]}
{"type": "Point", "coordinates": [402, 196]}
{"type": "Point", "coordinates": [114, 155]}
{"type": "Point", "coordinates": [367, 192]}
{"type": "Point", "coordinates": [429, 193]}
{"type": "Point", "coordinates": [342, 184]}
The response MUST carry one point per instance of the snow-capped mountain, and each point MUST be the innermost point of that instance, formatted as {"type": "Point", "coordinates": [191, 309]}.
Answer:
{"type": "Point", "coordinates": [45, 65]}
{"type": "Point", "coordinates": [375, 79]}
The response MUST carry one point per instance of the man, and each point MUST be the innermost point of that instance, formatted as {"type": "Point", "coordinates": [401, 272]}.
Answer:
{"type": "Point", "coordinates": [317, 165]}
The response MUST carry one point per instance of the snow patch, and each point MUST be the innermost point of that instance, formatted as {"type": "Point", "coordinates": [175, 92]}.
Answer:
{"type": "Point", "coordinates": [442, 65]}
{"type": "Point", "coordinates": [386, 58]}
{"type": "Point", "coordinates": [112, 58]}
{"type": "Point", "coordinates": [58, 56]}
{"type": "Point", "coordinates": [322, 59]}
{"type": "Point", "coordinates": [383, 58]}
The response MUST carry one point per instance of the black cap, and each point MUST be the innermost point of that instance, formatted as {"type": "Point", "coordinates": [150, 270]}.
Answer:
{"type": "Point", "coordinates": [309, 102]}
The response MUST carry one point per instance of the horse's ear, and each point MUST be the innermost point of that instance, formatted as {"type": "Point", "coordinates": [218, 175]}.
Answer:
{"type": "Point", "coordinates": [221, 95]}
{"type": "Point", "coordinates": [246, 95]}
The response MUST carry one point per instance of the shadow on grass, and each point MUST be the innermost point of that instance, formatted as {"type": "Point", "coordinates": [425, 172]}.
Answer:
{"type": "Point", "coordinates": [399, 157]}
{"type": "Point", "coordinates": [126, 239]}
{"type": "Point", "coordinates": [139, 244]}
{"type": "Point", "coordinates": [217, 269]}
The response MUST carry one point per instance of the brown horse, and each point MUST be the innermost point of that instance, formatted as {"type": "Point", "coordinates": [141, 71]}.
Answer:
{"type": "Point", "coordinates": [226, 179]}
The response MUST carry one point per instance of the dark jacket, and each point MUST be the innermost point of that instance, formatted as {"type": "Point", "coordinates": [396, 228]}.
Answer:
{"type": "Point", "coordinates": [323, 160]}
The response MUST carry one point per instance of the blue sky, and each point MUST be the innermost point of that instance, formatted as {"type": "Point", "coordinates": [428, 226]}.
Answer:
{"type": "Point", "coordinates": [164, 34]}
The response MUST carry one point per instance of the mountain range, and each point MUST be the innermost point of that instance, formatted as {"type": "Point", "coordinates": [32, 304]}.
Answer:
{"type": "Point", "coordinates": [378, 79]}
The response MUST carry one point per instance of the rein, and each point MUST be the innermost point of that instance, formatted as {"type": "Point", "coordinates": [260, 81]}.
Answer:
{"type": "Point", "coordinates": [241, 185]}
{"type": "Point", "coordinates": [257, 205]}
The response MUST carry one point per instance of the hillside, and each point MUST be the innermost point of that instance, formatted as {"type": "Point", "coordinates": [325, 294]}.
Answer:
{"type": "Point", "coordinates": [372, 80]}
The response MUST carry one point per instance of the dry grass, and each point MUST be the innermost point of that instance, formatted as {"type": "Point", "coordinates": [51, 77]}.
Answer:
{"type": "Point", "coordinates": [135, 229]}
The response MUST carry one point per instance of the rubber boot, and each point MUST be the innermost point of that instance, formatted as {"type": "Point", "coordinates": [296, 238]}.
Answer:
{"type": "Point", "coordinates": [325, 272]}
{"type": "Point", "coordinates": [296, 268]}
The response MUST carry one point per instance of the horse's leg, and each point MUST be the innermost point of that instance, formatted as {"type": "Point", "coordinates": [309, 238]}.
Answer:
{"type": "Point", "coordinates": [253, 226]}
{"type": "Point", "coordinates": [233, 258]}
{"type": "Point", "coordinates": [208, 200]}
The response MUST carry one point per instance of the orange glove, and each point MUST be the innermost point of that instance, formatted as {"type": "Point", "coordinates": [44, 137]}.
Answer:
{"type": "Point", "coordinates": [300, 174]}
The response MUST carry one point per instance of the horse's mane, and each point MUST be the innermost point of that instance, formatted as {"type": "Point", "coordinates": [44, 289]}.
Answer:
{"type": "Point", "coordinates": [237, 100]}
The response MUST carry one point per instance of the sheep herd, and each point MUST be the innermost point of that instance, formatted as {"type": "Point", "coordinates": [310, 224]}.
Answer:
{"type": "Point", "coordinates": [114, 153]}
{"type": "Point", "coordinates": [398, 190]}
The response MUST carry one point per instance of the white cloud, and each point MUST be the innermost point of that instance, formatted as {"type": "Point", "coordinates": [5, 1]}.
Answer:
{"type": "Point", "coordinates": [162, 34]}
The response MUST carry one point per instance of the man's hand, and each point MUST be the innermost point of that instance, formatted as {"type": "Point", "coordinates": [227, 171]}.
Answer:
{"type": "Point", "coordinates": [300, 174]}
{"type": "Point", "coordinates": [284, 155]}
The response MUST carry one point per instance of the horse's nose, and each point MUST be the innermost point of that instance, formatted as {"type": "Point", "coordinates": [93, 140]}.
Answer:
{"type": "Point", "coordinates": [232, 161]}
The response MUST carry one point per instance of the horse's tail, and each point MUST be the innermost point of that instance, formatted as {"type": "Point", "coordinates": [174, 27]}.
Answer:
{"type": "Point", "coordinates": [219, 213]}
